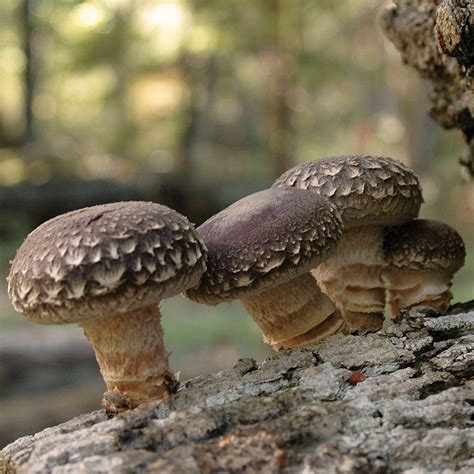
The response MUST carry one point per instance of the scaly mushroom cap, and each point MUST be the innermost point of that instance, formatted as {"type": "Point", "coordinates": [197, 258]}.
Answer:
{"type": "Point", "coordinates": [424, 246]}
{"type": "Point", "coordinates": [368, 190]}
{"type": "Point", "coordinates": [102, 260]}
{"type": "Point", "coordinates": [265, 239]}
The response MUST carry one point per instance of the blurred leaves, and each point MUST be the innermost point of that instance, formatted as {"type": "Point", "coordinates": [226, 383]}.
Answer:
{"type": "Point", "coordinates": [221, 87]}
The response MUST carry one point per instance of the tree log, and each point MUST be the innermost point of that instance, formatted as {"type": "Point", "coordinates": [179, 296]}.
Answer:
{"type": "Point", "coordinates": [437, 39]}
{"type": "Point", "coordinates": [393, 401]}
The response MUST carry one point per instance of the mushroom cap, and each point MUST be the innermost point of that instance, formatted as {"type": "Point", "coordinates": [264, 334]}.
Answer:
{"type": "Point", "coordinates": [104, 260]}
{"type": "Point", "coordinates": [263, 240]}
{"type": "Point", "coordinates": [424, 245]}
{"type": "Point", "coordinates": [368, 190]}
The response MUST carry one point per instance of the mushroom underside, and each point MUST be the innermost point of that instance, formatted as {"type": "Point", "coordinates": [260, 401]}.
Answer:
{"type": "Point", "coordinates": [293, 313]}
{"type": "Point", "coordinates": [333, 324]}
{"type": "Point", "coordinates": [359, 283]}
{"type": "Point", "coordinates": [352, 278]}
{"type": "Point", "coordinates": [362, 303]}
{"type": "Point", "coordinates": [411, 288]}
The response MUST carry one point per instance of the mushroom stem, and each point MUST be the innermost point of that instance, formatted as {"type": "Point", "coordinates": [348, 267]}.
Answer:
{"type": "Point", "coordinates": [409, 288]}
{"type": "Point", "coordinates": [352, 278]}
{"type": "Point", "coordinates": [290, 310]}
{"type": "Point", "coordinates": [132, 358]}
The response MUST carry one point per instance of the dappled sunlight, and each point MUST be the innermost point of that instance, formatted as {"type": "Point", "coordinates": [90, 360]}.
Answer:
{"type": "Point", "coordinates": [89, 14]}
{"type": "Point", "coordinates": [168, 16]}
{"type": "Point", "coordinates": [154, 95]}
{"type": "Point", "coordinates": [12, 171]}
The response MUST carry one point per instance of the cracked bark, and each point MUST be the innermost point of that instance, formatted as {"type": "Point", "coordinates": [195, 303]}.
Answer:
{"type": "Point", "coordinates": [387, 402]}
{"type": "Point", "coordinates": [437, 39]}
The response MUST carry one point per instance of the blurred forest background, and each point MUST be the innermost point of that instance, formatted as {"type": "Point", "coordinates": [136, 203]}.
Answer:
{"type": "Point", "coordinates": [194, 104]}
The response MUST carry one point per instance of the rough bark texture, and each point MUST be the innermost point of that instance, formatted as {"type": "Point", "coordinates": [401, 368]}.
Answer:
{"type": "Point", "coordinates": [389, 402]}
{"type": "Point", "coordinates": [437, 39]}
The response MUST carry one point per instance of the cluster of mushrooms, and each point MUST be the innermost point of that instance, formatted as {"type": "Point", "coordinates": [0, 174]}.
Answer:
{"type": "Point", "coordinates": [324, 250]}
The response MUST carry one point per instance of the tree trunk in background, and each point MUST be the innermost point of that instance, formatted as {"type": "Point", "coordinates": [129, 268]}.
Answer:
{"type": "Point", "coordinates": [281, 65]}
{"type": "Point", "coordinates": [200, 75]}
{"type": "Point", "coordinates": [11, 137]}
{"type": "Point", "coordinates": [437, 39]}
{"type": "Point", "coordinates": [29, 76]}
{"type": "Point", "coordinates": [388, 402]}
{"type": "Point", "coordinates": [121, 127]}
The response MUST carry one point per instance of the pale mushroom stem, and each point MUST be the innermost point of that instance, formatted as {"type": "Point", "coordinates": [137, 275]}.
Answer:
{"type": "Point", "coordinates": [132, 358]}
{"type": "Point", "coordinates": [410, 288]}
{"type": "Point", "coordinates": [294, 313]}
{"type": "Point", "coordinates": [352, 278]}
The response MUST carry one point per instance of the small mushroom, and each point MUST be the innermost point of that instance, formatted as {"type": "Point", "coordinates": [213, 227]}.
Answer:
{"type": "Point", "coordinates": [107, 268]}
{"type": "Point", "coordinates": [422, 257]}
{"type": "Point", "coordinates": [260, 250]}
{"type": "Point", "coordinates": [371, 193]}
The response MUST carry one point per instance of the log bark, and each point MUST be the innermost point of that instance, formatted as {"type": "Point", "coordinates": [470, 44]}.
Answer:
{"type": "Point", "coordinates": [396, 401]}
{"type": "Point", "coordinates": [437, 39]}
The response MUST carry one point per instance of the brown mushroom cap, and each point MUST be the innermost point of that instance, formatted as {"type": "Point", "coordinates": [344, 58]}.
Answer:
{"type": "Point", "coordinates": [368, 190]}
{"type": "Point", "coordinates": [425, 246]}
{"type": "Point", "coordinates": [265, 239]}
{"type": "Point", "coordinates": [104, 260]}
